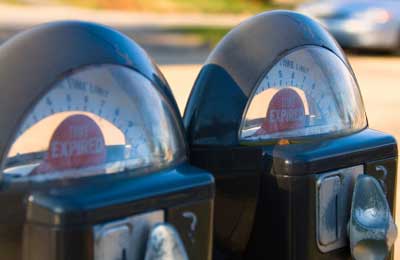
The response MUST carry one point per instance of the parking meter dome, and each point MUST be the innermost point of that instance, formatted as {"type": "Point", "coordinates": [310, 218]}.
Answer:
{"type": "Point", "coordinates": [81, 106]}
{"type": "Point", "coordinates": [278, 75]}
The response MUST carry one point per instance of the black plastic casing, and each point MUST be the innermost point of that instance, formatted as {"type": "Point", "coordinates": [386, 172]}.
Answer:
{"type": "Point", "coordinates": [60, 223]}
{"type": "Point", "coordinates": [265, 194]}
{"type": "Point", "coordinates": [54, 219]}
{"type": "Point", "coordinates": [265, 206]}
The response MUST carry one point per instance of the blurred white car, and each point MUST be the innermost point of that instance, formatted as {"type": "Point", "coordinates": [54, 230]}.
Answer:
{"type": "Point", "coordinates": [361, 24]}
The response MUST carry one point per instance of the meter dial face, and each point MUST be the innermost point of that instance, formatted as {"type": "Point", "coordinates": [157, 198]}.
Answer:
{"type": "Point", "coordinates": [96, 120]}
{"type": "Point", "coordinates": [309, 92]}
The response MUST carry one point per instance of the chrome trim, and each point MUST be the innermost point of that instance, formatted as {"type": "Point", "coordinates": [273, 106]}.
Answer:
{"type": "Point", "coordinates": [342, 202]}
{"type": "Point", "coordinates": [125, 238]}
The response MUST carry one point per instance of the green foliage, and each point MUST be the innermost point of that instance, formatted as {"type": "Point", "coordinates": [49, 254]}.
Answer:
{"type": "Point", "coordinates": [208, 35]}
{"type": "Point", "coordinates": [221, 6]}
{"type": "Point", "coordinates": [14, 2]}
{"type": "Point", "coordinates": [200, 6]}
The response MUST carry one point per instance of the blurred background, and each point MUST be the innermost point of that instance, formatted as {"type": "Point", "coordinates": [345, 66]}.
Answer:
{"type": "Point", "coordinates": [179, 34]}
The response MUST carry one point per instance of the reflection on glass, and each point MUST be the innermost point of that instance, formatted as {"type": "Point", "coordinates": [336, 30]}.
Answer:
{"type": "Point", "coordinates": [309, 92]}
{"type": "Point", "coordinates": [101, 119]}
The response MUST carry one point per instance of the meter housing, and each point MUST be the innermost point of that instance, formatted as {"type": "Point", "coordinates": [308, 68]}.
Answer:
{"type": "Point", "coordinates": [87, 170]}
{"type": "Point", "coordinates": [276, 115]}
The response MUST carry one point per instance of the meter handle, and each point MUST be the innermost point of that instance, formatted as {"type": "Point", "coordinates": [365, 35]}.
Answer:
{"type": "Point", "coordinates": [371, 228]}
{"type": "Point", "coordinates": [165, 244]}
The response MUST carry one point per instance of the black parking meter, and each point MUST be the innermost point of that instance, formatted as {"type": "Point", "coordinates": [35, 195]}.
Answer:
{"type": "Point", "coordinates": [276, 115]}
{"type": "Point", "coordinates": [92, 151]}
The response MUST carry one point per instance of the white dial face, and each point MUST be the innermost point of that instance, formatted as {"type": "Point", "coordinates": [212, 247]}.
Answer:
{"type": "Point", "coordinates": [309, 92]}
{"type": "Point", "coordinates": [102, 119]}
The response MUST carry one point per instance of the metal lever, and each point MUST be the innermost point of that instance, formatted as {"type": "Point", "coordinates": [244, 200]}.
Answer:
{"type": "Point", "coordinates": [165, 244]}
{"type": "Point", "coordinates": [371, 229]}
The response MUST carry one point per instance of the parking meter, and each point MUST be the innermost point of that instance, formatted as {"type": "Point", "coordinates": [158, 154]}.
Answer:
{"type": "Point", "coordinates": [277, 116]}
{"type": "Point", "coordinates": [94, 162]}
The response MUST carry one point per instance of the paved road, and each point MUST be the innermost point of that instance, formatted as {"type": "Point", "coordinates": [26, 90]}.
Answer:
{"type": "Point", "coordinates": [148, 29]}
{"type": "Point", "coordinates": [26, 16]}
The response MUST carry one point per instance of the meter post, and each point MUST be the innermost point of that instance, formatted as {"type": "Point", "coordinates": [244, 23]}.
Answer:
{"type": "Point", "coordinates": [277, 116]}
{"type": "Point", "coordinates": [93, 156]}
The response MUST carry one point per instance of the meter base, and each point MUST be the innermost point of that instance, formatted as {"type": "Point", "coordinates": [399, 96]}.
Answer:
{"type": "Point", "coordinates": [279, 183]}
{"type": "Point", "coordinates": [64, 224]}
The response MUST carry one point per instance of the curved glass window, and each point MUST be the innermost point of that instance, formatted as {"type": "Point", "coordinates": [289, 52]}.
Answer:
{"type": "Point", "coordinates": [309, 92]}
{"type": "Point", "coordinates": [97, 120]}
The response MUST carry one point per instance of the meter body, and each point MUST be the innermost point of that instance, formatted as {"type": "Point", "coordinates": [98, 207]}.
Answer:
{"type": "Point", "coordinates": [92, 149]}
{"type": "Point", "coordinates": [276, 115]}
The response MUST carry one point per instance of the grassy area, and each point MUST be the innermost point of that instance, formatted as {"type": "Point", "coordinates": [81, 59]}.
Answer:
{"type": "Point", "coordinates": [202, 6]}
{"type": "Point", "coordinates": [223, 6]}
{"type": "Point", "coordinates": [208, 35]}
{"type": "Point", "coordinates": [192, 6]}
{"type": "Point", "coordinates": [14, 2]}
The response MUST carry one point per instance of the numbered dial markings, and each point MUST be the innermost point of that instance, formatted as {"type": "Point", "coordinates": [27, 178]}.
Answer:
{"type": "Point", "coordinates": [308, 92]}
{"type": "Point", "coordinates": [100, 119]}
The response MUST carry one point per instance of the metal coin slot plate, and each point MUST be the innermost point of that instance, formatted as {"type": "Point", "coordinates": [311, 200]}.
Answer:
{"type": "Point", "coordinates": [126, 238]}
{"type": "Point", "coordinates": [333, 201]}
